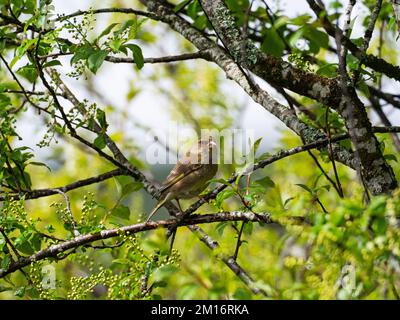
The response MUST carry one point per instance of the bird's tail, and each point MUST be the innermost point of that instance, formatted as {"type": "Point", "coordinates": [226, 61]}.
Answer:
{"type": "Point", "coordinates": [158, 206]}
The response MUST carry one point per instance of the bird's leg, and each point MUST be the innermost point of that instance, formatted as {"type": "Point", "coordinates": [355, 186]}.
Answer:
{"type": "Point", "coordinates": [173, 229]}
{"type": "Point", "coordinates": [179, 206]}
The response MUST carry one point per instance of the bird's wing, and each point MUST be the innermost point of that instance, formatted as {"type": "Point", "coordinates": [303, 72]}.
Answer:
{"type": "Point", "coordinates": [180, 171]}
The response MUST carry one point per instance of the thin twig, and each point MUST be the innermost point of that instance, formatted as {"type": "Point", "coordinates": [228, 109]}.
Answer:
{"type": "Point", "coordinates": [69, 212]}
{"type": "Point", "coordinates": [330, 153]}
{"type": "Point", "coordinates": [239, 241]}
{"type": "Point", "coordinates": [10, 244]}
{"type": "Point", "coordinates": [39, 193]}
{"type": "Point", "coordinates": [367, 39]}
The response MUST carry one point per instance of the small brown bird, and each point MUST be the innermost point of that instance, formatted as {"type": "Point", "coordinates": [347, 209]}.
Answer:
{"type": "Point", "coordinates": [189, 176]}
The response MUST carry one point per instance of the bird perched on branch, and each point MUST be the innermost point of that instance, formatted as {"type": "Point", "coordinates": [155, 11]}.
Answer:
{"type": "Point", "coordinates": [189, 176]}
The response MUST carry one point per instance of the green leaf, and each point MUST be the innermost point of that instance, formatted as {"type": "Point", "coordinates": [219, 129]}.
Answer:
{"type": "Point", "coordinates": [188, 291]}
{"type": "Point", "coordinates": [328, 70]}
{"type": "Point", "coordinates": [180, 5]}
{"type": "Point", "coordinates": [2, 243]}
{"type": "Point", "coordinates": [242, 294]}
{"type": "Point", "coordinates": [127, 24]}
{"type": "Point", "coordinates": [220, 180]}
{"type": "Point", "coordinates": [193, 8]}
{"type": "Point", "coordinates": [95, 60]}
{"type": "Point", "coordinates": [136, 27]}
{"type": "Point", "coordinates": [23, 245]}
{"type": "Point", "coordinates": [256, 145]}
{"type": "Point", "coordinates": [28, 72]}
{"type": "Point", "coordinates": [107, 30]}
{"type": "Point", "coordinates": [221, 227]}
{"type": "Point", "coordinates": [200, 22]}
{"type": "Point", "coordinates": [4, 288]}
{"type": "Point", "coordinates": [379, 226]}
{"type": "Point", "coordinates": [159, 284]}
{"type": "Point", "coordinates": [318, 39]}
{"type": "Point", "coordinates": [295, 37]}
{"type": "Point", "coordinates": [304, 187]}
{"type": "Point", "coordinates": [82, 53]}
{"type": "Point", "coordinates": [223, 195]}
{"type": "Point", "coordinates": [287, 201]}
{"type": "Point", "coordinates": [122, 212]}
{"type": "Point", "coordinates": [137, 54]}
{"type": "Point", "coordinates": [266, 182]}
{"type": "Point", "coordinates": [29, 22]}
{"type": "Point", "coordinates": [115, 44]}
{"type": "Point", "coordinates": [52, 63]}
{"type": "Point", "coordinates": [101, 118]}
{"type": "Point", "coordinates": [5, 263]}
{"type": "Point", "coordinates": [131, 187]}
{"type": "Point", "coordinates": [36, 241]}
{"type": "Point", "coordinates": [248, 228]}
{"type": "Point", "coordinates": [25, 46]}
{"type": "Point", "coordinates": [100, 141]}
{"type": "Point", "coordinates": [301, 20]}
{"type": "Point", "coordinates": [273, 43]}
{"type": "Point", "coordinates": [40, 164]}
{"type": "Point", "coordinates": [390, 157]}
{"type": "Point", "coordinates": [121, 261]}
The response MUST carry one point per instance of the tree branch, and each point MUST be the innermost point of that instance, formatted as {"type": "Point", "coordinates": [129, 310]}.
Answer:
{"type": "Point", "coordinates": [108, 10]}
{"type": "Point", "coordinates": [54, 250]}
{"type": "Point", "coordinates": [39, 193]}
{"type": "Point", "coordinates": [165, 59]}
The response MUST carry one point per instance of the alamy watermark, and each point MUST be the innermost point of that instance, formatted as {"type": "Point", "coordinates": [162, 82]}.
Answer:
{"type": "Point", "coordinates": [48, 277]}
{"type": "Point", "coordinates": [232, 146]}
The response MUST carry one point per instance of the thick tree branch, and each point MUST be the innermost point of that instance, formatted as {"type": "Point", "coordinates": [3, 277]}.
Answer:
{"type": "Point", "coordinates": [56, 249]}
